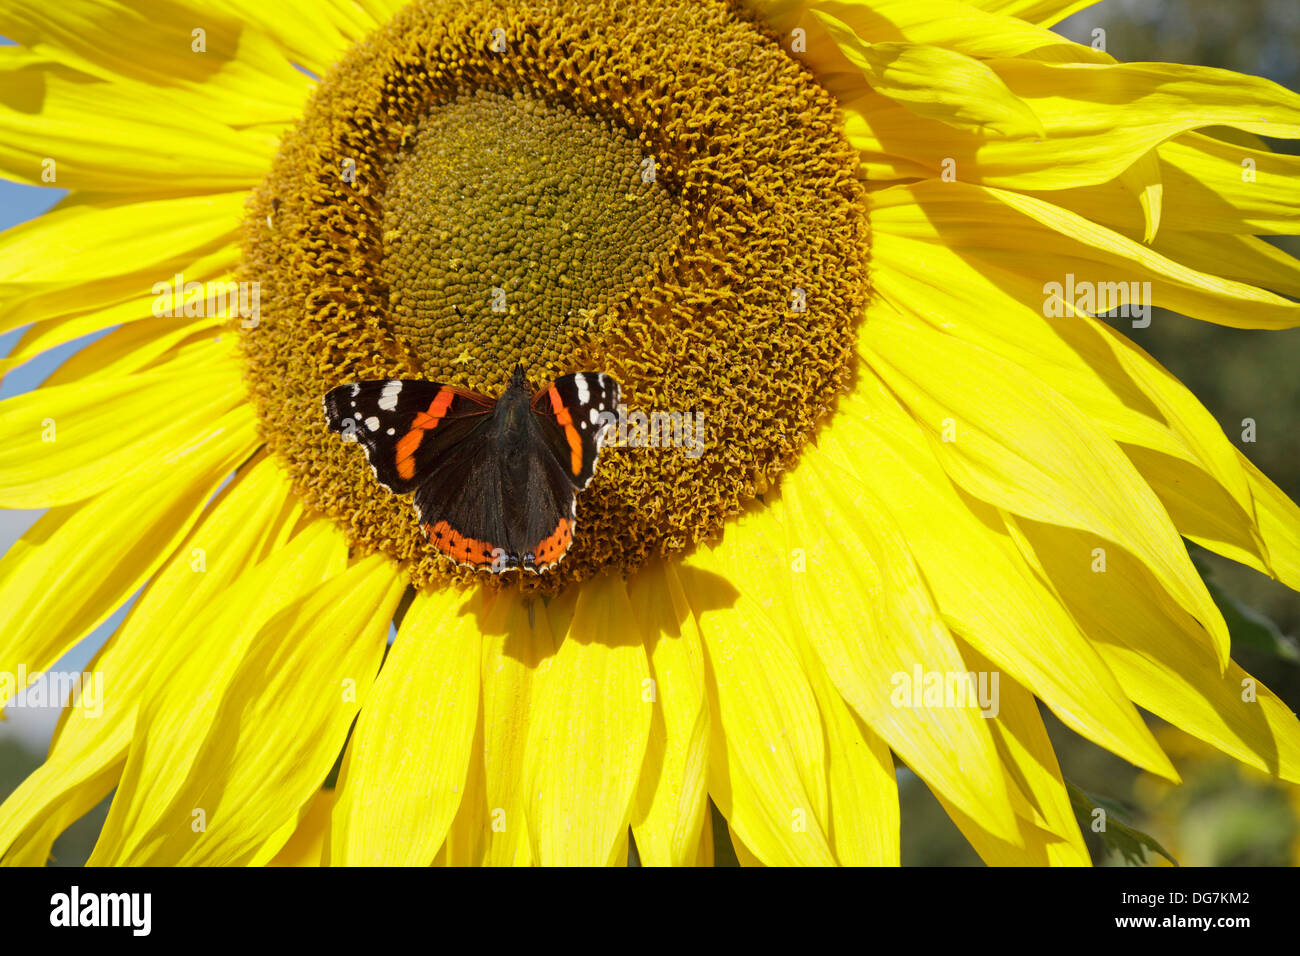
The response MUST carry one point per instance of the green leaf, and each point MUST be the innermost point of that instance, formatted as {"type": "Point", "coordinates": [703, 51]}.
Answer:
{"type": "Point", "coordinates": [1132, 844]}
{"type": "Point", "coordinates": [1247, 626]}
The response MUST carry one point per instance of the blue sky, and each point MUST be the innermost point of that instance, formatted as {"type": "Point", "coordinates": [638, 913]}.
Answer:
{"type": "Point", "coordinates": [33, 727]}
{"type": "Point", "coordinates": [18, 203]}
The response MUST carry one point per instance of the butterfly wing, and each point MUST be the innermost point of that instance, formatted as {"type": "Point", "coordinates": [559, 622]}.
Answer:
{"type": "Point", "coordinates": [406, 426]}
{"type": "Point", "coordinates": [571, 416]}
{"type": "Point", "coordinates": [483, 500]}
{"type": "Point", "coordinates": [575, 412]}
{"type": "Point", "coordinates": [505, 503]}
{"type": "Point", "coordinates": [545, 511]}
{"type": "Point", "coordinates": [460, 504]}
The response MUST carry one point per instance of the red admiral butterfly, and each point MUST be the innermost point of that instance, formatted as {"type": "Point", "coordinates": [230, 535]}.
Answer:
{"type": "Point", "coordinates": [495, 480]}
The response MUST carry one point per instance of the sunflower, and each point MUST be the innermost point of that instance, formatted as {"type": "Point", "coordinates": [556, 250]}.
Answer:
{"type": "Point", "coordinates": [862, 243]}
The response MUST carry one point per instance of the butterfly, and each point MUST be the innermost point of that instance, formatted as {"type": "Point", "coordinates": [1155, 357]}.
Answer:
{"type": "Point", "coordinates": [495, 480]}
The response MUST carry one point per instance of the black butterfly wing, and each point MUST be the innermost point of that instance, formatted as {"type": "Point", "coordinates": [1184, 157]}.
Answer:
{"type": "Point", "coordinates": [575, 413]}
{"type": "Point", "coordinates": [546, 511]}
{"type": "Point", "coordinates": [459, 502]}
{"type": "Point", "coordinates": [406, 426]}
{"type": "Point", "coordinates": [485, 496]}
{"type": "Point", "coordinates": [500, 504]}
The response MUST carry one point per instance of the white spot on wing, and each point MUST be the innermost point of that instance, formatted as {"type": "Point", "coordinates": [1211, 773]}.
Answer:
{"type": "Point", "coordinates": [356, 390]}
{"type": "Point", "coordinates": [388, 397]}
{"type": "Point", "coordinates": [594, 415]}
{"type": "Point", "coordinates": [584, 393]}
{"type": "Point", "coordinates": [372, 423]}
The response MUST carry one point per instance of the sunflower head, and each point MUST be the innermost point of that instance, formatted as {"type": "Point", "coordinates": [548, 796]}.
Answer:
{"type": "Point", "coordinates": [472, 189]}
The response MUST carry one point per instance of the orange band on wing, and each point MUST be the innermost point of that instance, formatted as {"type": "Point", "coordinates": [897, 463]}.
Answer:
{"type": "Point", "coordinates": [424, 422]}
{"type": "Point", "coordinates": [566, 421]}
{"type": "Point", "coordinates": [458, 547]}
{"type": "Point", "coordinates": [406, 452]}
{"type": "Point", "coordinates": [552, 549]}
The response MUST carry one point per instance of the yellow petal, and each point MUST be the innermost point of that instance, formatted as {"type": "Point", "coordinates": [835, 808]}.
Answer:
{"type": "Point", "coordinates": [1118, 386]}
{"type": "Point", "coordinates": [1049, 833]}
{"type": "Point", "coordinates": [89, 745]}
{"type": "Point", "coordinates": [1279, 525]}
{"type": "Point", "coordinates": [71, 442]}
{"type": "Point", "coordinates": [1014, 442]}
{"type": "Point", "coordinates": [672, 802]}
{"type": "Point", "coordinates": [467, 838]}
{"type": "Point", "coordinates": [997, 229]}
{"type": "Point", "coordinates": [1043, 12]}
{"type": "Point", "coordinates": [1175, 286]}
{"type": "Point", "coordinates": [587, 733]}
{"type": "Point", "coordinates": [283, 720]}
{"type": "Point", "coordinates": [141, 339]}
{"type": "Point", "coordinates": [187, 682]}
{"type": "Point", "coordinates": [981, 584]}
{"type": "Point", "coordinates": [1210, 186]}
{"type": "Point", "coordinates": [930, 81]}
{"type": "Point", "coordinates": [239, 76]}
{"type": "Point", "coordinates": [379, 11]}
{"type": "Point", "coordinates": [1246, 259]}
{"type": "Point", "coordinates": [1097, 118]}
{"type": "Point", "coordinates": [399, 794]}
{"type": "Point", "coordinates": [949, 24]}
{"type": "Point", "coordinates": [1175, 404]}
{"type": "Point", "coordinates": [1202, 483]}
{"type": "Point", "coordinates": [313, 34]}
{"type": "Point", "coordinates": [1151, 646]}
{"type": "Point", "coordinates": [109, 137]}
{"type": "Point", "coordinates": [767, 758]}
{"type": "Point", "coordinates": [955, 25]}
{"type": "Point", "coordinates": [84, 255]}
{"type": "Point", "coordinates": [1143, 180]}
{"type": "Point", "coordinates": [306, 845]}
{"type": "Point", "coordinates": [864, 814]}
{"type": "Point", "coordinates": [704, 856]}
{"type": "Point", "coordinates": [34, 845]}
{"type": "Point", "coordinates": [876, 626]}
{"type": "Point", "coordinates": [1201, 510]}
{"type": "Point", "coordinates": [1223, 187]}
{"type": "Point", "coordinates": [79, 563]}
{"type": "Point", "coordinates": [517, 645]}
{"type": "Point", "coordinates": [134, 347]}
{"type": "Point", "coordinates": [744, 855]}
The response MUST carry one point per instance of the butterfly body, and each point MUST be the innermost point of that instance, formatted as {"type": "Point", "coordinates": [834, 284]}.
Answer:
{"type": "Point", "coordinates": [494, 480]}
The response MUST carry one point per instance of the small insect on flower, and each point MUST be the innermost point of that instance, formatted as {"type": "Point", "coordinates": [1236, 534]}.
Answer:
{"type": "Point", "coordinates": [495, 480]}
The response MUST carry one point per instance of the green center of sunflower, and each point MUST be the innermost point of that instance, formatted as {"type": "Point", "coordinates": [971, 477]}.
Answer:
{"type": "Point", "coordinates": [661, 193]}
{"type": "Point", "coordinates": [508, 219]}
